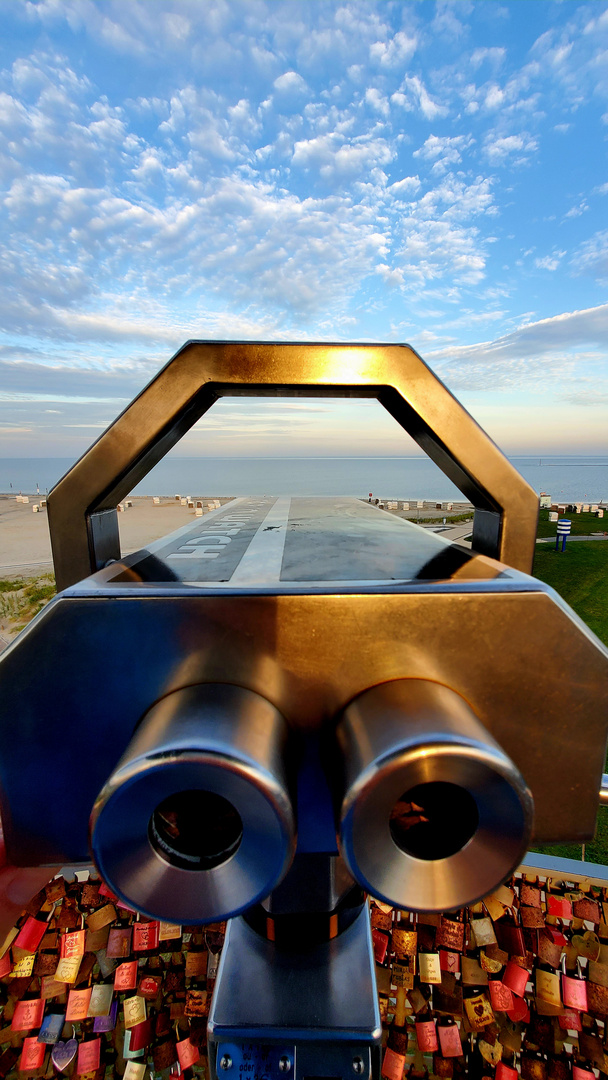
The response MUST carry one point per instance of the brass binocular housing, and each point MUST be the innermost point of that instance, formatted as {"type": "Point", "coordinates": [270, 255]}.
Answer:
{"type": "Point", "coordinates": [197, 822]}
{"type": "Point", "coordinates": [428, 683]}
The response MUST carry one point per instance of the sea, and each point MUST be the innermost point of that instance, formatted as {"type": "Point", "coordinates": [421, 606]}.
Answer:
{"type": "Point", "coordinates": [566, 479]}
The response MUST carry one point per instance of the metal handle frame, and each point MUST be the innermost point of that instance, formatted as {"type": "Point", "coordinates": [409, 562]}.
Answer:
{"type": "Point", "coordinates": [82, 506]}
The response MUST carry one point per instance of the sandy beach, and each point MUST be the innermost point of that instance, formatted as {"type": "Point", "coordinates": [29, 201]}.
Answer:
{"type": "Point", "coordinates": [25, 544]}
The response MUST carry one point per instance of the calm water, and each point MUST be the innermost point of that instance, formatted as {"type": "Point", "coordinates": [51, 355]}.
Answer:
{"type": "Point", "coordinates": [564, 478]}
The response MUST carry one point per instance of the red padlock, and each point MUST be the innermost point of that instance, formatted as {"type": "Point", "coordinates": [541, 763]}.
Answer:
{"type": "Point", "coordinates": [516, 978]}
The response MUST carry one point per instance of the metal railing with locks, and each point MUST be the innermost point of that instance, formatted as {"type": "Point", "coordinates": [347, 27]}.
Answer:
{"type": "Point", "coordinates": [295, 701]}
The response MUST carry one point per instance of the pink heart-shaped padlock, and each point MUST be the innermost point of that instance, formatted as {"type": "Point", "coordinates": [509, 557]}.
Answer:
{"type": "Point", "coordinates": [63, 1053]}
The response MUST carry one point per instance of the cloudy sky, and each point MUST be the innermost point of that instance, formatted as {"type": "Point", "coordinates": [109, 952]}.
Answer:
{"type": "Point", "coordinates": [413, 171]}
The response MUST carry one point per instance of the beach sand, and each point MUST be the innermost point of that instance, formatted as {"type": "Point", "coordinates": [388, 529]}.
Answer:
{"type": "Point", "coordinates": [25, 544]}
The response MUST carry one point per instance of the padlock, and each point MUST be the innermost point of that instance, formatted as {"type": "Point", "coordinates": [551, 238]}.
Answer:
{"type": "Point", "coordinates": [574, 992]}
{"type": "Point", "coordinates": [532, 918]}
{"type": "Point", "coordinates": [506, 1072]}
{"type": "Point", "coordinates": [548, 987]}
{"type": "Point", "coordinates": [393, 1065]}
{"type": "Point", "coordinates": [403, 972]}
{"type": "Point", "coordinates": [501, 997]}
{"type": "Point", "coordinates": [586, 909]}
{"type": "Point", "coordinates": [529, 895]}
{"type": "Point", "coordinates": [78, 1004]}
{"type": "Point", "coordinates": [426, 1034]}
{"type": "Point", "coordinates": [125, 976]}
{"type": "Point", "coordinates": [449, 961]}
{"type": "Point", "coordinates": [380, 943]}
{"type": "Point", "coordinates": [559, 906]}
{"type": "Point", "coordinates": [509, 936]}
{"type": "Point", "coordinates": [450, 934]}
{"type": "Point", "coordinates": [32, 1054]}
{"type": "Point", "coordinates": [570, 1020]}
{"type": "Point", "coordinates": [516, 978]}
{"type": "Point", "coordinates": [449, 1039]}
{"type": "Point", "coordinates": [478, 1011]}
{"type": "Point", "coordinates": [472, 972]}
{"type": "Point", "coordinates": [89, 1056]}
{"type": "Point", "coordinates": [119, 941]}
{"type": "Point", "coordinates": [483, 932]}
{"type": "Point", "coordinates": [549, 951]}
{"type": "Point", "coordinates": [533, 1067]}
{"type": "Point", "coordinates": [429, 967]}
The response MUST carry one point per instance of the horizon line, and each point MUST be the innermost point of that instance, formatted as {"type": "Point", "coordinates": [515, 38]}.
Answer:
{"type": "Point", "coordinates": [306, 457]}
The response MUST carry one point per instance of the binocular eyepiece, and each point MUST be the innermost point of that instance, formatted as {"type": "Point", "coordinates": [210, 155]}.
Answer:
{"type": "Point", "coordinates": [434, 814]}
{"type": "Point", "coordinates": [197, 822]}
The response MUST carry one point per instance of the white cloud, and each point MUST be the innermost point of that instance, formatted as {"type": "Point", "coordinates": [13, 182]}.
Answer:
{"type": "Point", "coordinates": [377, 100]}
{"type": "Point", "coordinates": [586, 397]}
{"type": "Point", "coordinates": [406, 187]}
{"type": "Point", "coordinates": [550, 262]}
{"type": "Point", "coordinates": [445, 20]}
{"type": "Point", "coordinates": [434, 249]}
{"type": "Point", "coordinates": [393, 277]}
{"type": "Point", "coordinates": [240, 239]}
{"type": "Point", "coordinates": [444, 151]}
{"type": "Point", "coordinates": [395, 51]}
{"type": "Point", "coordinates": [576, 211]}
{"type": "Point", "coordinates": [493, 55]}
{"type": "Point", "coordinates": [494, 97]}
{"type": "Point", "coordinates": [333, 157]}
{"type": "Point", "coordinates": [592, 257]}
{"type": "Point", "coordinates": [119, 38]}
{"type": "Point", "coordinates": [290, 82]}
{"type": "Point", "coordinates": [597, 23]}
{"type": "Point", "coordinates": [414, 91]}
{"type": "Point", "coordinates": [558, 334]}
{"type": "Point", "coordinates": [500, 148]}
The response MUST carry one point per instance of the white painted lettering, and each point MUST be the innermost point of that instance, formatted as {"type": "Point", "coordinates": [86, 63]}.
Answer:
{"type": "Point", "coordinates": [216, 537]}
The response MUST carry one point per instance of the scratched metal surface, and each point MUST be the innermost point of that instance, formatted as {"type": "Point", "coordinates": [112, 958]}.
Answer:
{"type": "Point", "coordinates": [264, 541]}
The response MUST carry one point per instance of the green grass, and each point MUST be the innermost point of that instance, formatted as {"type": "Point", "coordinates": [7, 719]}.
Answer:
{"type": "Point", "coordinates": [582, 524]}
{"type": "Point", "coordinates": [596, 850]}
{"type": "Point", "coordinates": [12, 586]}
{"type": "Point", "coordinates": [36, 595]}
{"type": "Point", "coordinates": [580, 575]}
{"type": "Point", "coordinates": [21, 599]}
{"type": "Point", "coordinates": [451, 519]}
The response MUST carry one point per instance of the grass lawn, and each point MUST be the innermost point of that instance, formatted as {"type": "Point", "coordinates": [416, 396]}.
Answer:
{"type": "Point", "coordinates": [582, 524]}
{"type": "Point", "coordinates": [580, 575]}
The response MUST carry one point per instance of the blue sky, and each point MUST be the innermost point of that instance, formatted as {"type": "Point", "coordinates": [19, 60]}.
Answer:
{"type": "Point", "coordinates": [422, 172]}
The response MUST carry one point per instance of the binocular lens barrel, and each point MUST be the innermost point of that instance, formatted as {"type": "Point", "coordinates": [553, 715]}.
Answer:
{"type": "Point", "coordinates": [196, 822]}
{"type": "Point", "coordinates": [196, 830]}
{"type": "Point", "coordinates": [434, 814]}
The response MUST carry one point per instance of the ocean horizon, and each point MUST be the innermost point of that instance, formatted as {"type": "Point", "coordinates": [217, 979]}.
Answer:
{"type": "Point", "coordinates": [567, 478]}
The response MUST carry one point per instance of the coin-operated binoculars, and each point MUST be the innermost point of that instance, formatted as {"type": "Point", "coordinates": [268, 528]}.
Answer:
{"type": "Point", "coordinates": [292, 703]}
